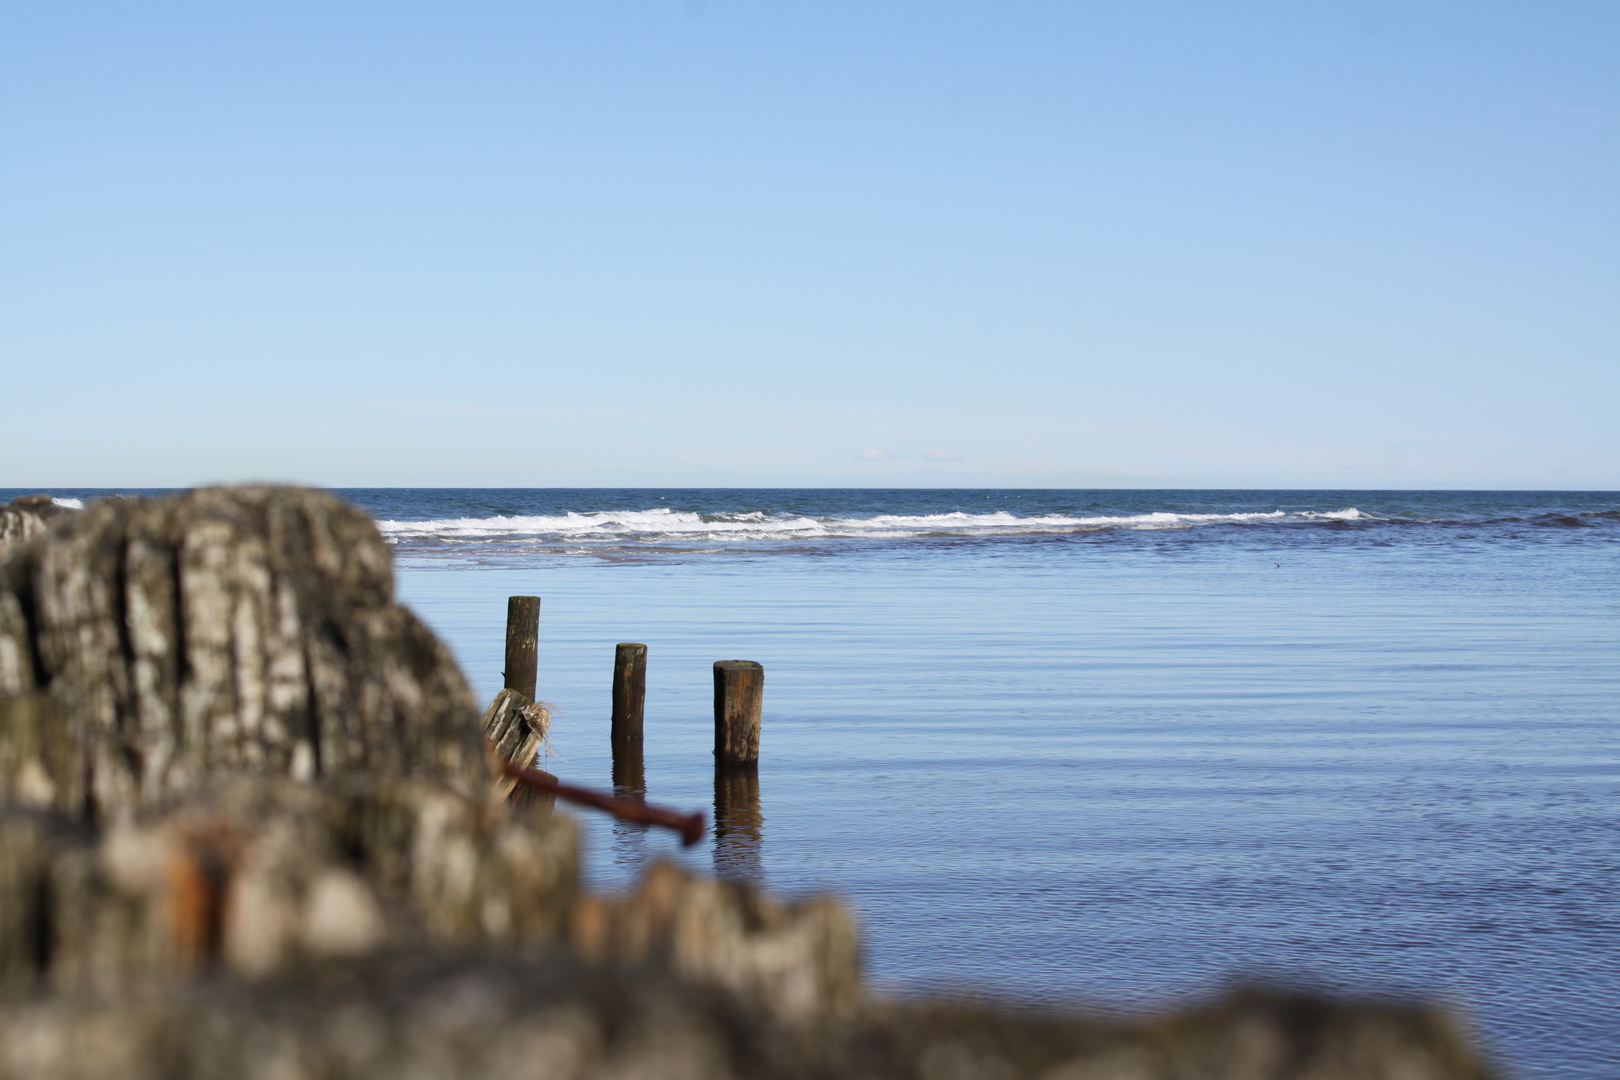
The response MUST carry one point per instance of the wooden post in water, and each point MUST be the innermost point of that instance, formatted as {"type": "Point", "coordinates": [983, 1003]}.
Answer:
{"type": "Point", "coordinates": [739, 694]}
{"type": "Point", "coordinates": [629, 767]}
{"type": "Point", "coordinates": [629, 691]}
{"type": "Point", "coordinates": [523, 644]}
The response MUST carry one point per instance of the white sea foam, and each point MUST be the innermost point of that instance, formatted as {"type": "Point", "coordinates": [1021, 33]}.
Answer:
{"type": "Point", "coordinates": [71, 504]}
{"type": "Point", "coordinates": [661, 524]}
{"type": "Point", "coordinates": [607, 524]}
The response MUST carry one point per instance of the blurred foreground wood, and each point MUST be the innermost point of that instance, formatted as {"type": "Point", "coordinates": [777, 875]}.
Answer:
{"type": "Point", "coordinates": [425, 1016]}
{"type": "Point", "coordinates": [27, 515]}
{"type": "Point", "coordinates": [224, 630]}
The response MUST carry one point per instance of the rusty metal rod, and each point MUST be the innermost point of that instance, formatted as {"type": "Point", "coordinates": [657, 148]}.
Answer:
{"type": "Point", "coordinates": [690, 826]}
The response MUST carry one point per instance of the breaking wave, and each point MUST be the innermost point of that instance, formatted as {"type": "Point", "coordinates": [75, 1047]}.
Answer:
{"type": "Point", "coordinates": [661, 525]}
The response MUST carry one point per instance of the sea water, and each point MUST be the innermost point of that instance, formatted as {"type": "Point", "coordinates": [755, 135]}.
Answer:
{"type": "Point", "coordinates": [1113, 748]}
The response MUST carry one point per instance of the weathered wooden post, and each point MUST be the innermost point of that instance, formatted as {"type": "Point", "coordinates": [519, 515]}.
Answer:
{"type": "Point", "coordinates": [629, 691]}
{"type": "Point", "coordinates": [629, 767]}
{"type": "Point", "coordinates": [739, 693]}
{"type": "Point", "coordinates": [523, 644]}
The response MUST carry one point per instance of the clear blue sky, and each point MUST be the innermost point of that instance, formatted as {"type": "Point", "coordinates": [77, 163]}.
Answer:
{"type": "Point", "coordinates": [628, 242]}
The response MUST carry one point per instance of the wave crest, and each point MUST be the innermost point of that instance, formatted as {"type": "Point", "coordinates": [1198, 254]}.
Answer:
{"type": "Point", "coordinates": [661, 524]}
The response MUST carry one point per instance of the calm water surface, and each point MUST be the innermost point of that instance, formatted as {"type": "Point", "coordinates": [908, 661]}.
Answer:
{"type": "Point", "coordinates": [1111, 747]}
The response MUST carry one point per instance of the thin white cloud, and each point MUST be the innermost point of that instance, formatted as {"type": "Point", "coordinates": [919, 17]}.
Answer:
{"type": "Point", "coordinates": [939, 455]}
{"type": "Point", "coordinates": [872, 453]}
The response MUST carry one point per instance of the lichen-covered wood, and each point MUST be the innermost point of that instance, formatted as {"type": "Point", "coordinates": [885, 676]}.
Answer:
{"type": "Point", "coordinates": [27, 516]}
{"type": "Point", "coordinates": [39, 767]}
{"type": "Point", "coordinates": [248, 629]}
{"type": "Point", "coordinates": [29, 840]}
{"type": "Point", "coordinates": [261, 874]}
{"type": "Point", "coordinates": [795, 960]}
{"type": "Point", "coordinates": [428, 1016]}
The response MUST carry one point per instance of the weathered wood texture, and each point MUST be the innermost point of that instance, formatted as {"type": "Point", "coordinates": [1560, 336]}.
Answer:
{"type": "Point", "coordinates": [515, 729]}
{"type": "Point", "coordinates": [523, 645]}
{"type": "Point", "coordinates": [739, 695]}
{"type": "Point", "coordinates": [542, 1017]}
{"type": "Point", "coordinates": [259, 875]}
{"type": "Point", "coordinates": [36, 763]}
{"type": "Point", "coordinates": [796, 960]}
{"type": "Point", "coordinates": [248, 629]}
{"type": "Point", "coordinates": [629, 691]}
{"type": "Point", "coordinates": [27, 516]}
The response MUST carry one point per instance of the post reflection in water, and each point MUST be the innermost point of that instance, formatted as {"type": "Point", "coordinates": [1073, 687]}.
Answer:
{"type": "Point", "coordinates": [629, 781]}
{"type": "Point", "coordinates": [739, 825]}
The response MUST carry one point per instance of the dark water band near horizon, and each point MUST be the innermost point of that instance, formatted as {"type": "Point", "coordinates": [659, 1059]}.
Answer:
{"type": "Point", "coordinates": [1109, 747]}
